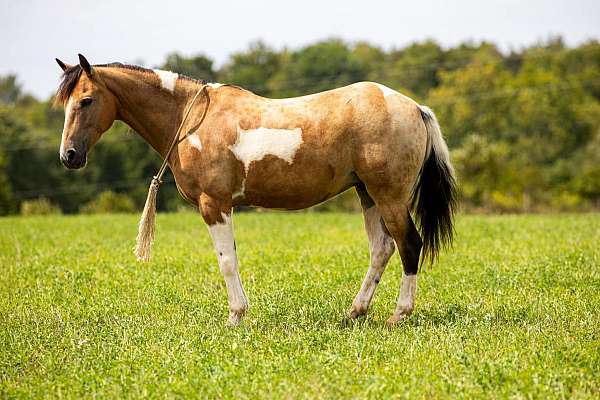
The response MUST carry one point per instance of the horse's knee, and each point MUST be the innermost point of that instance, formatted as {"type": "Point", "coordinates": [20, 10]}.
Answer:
{"type": "Point", "coordinates": [228, 265]}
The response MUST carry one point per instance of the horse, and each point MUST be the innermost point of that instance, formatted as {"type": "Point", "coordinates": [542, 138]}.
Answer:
{"type": "Point", "coordinates": [286, 154]}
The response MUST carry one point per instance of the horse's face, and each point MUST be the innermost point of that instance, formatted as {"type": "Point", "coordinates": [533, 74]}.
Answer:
{"type": "Point", "coordinates": [90, 109]}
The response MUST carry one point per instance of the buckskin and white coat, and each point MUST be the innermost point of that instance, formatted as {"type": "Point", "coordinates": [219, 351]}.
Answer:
{"type": "Point", "coordinates": [277, 153]}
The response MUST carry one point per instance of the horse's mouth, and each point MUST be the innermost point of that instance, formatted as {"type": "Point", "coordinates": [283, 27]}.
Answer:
{"type": "Point", "coordinates": [76, 162]}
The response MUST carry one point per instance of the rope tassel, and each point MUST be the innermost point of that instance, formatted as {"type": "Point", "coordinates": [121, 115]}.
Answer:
{"type": "Point", "coordinates": [145, 235]}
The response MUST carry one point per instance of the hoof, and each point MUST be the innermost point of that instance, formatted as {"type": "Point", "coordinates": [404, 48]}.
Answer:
{"type": "Point", "coordinates": [396, 318]}
{"type": "Point", "coordinates": [356, 312]}
{"type": "Point", "coordinates": [234, 319]}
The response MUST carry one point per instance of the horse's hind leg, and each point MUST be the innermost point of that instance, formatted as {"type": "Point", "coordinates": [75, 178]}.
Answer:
{"type": "Point", "coordinates": [381, 246]}
{"type": "Point", "coordinates": [400, 225]}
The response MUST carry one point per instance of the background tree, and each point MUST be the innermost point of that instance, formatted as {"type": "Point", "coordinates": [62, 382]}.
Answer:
{"type": "Point", "coordinates": [252, 69]}
{"type": "Point", "coordinates": [322, 66]}
{"type": "Point", "coordinates": [523, 127]}
{"type": "Point", "coordinates": [198, 66]}
{"type": "Point", "coordinates": [10, 90]}
{"type": "Point", "coordinates": [416, 67]}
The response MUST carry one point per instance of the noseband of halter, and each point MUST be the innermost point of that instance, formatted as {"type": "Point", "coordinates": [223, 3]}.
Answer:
{"type": "Point", "coordinates": [146, 228]}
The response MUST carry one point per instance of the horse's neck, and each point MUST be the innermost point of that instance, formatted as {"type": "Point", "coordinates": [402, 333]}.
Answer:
{"type": "Point", "coordinates": [151, 111]}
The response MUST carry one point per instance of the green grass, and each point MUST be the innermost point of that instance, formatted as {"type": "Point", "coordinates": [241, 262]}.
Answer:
{"type": "Point", "coordinates": [513, 311]}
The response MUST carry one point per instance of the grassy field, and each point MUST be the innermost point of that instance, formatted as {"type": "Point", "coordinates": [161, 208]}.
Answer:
{"type": "Point", "coordinates": [513, 311]}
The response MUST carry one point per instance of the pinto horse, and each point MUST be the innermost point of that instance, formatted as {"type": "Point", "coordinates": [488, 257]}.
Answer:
{"type": "Point", "coordinates": [280, 153]}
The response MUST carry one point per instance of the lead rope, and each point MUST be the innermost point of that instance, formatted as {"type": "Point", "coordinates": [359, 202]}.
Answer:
{"type": "Point", "coordinates": [145, 235]}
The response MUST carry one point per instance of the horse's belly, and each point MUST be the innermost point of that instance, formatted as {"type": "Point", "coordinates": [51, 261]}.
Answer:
{"type": "Point", "coordinates": [276, 183]}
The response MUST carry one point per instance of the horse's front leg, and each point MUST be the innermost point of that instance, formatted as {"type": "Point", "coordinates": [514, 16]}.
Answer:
{"type": "Point", "coordinates": [217, 216]}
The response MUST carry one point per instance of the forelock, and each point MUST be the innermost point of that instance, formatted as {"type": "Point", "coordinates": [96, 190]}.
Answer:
{"type": "Point", "coordinates": [68, 83]}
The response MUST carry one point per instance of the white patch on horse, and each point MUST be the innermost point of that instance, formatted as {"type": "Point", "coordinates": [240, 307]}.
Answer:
{"type": "Point", "coordinates": [223, 240]}
{"type": "Point", "coordinates": [222, 234]}
{"type": "Point", "coordinates": [215, 85]}
{"type": "Point", "coordinates": [381, 246]}
{"type": "Point", "coordinates": [167, 79]}
{"type": "Point", "coordinates": [408, 289]}
{"type": "Point", "coordinates": [255, 144]}
{"type": "Point", "coordinates": [195, 142]}
{"type": "Point", "coordinates": [386, 91]}
{"type": "Point", "coordinates": [68, 111]}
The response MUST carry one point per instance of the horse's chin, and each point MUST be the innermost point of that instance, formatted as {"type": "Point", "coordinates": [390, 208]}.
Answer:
{"type": "Point", "coordinates": [78, 166]}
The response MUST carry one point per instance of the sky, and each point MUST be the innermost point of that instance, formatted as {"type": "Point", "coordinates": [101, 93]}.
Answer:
{"type": "Point", "coordinates": [34, 32]}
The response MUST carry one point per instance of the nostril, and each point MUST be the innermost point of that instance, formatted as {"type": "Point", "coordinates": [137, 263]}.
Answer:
{"type": "Point", "coordinates": [71, 155]}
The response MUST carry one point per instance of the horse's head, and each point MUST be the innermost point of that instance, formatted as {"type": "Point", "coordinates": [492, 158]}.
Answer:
{"type": "Point", "coordinates": [90, 109]}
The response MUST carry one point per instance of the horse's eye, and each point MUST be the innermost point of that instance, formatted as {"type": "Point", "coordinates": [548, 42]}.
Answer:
{"type": "Point", "coordinates": [85, 102]}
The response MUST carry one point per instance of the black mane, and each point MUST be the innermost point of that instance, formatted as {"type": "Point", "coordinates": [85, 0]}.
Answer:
{"type": "Point", "coordinates": [71, 76]}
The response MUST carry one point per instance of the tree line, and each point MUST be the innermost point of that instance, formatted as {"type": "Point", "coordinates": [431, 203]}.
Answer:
{"type": "Point", "coordinates": [523, 126]}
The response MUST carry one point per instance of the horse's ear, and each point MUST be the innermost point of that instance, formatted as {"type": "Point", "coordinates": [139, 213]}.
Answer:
{"type": "Point", "coordinates": [85, 65]}
{"type": "Point", "coordinates": [62, 65]}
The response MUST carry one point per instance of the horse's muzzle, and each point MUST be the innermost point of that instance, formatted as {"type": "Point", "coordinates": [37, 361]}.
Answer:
{"type": "Point", "coordinates": [73, 159]}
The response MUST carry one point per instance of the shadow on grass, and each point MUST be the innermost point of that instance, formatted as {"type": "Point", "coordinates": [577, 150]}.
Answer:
{"type": "Point", "coordinates": [459, 314]}
{"type": "Point", "coordinates": [448, 316]}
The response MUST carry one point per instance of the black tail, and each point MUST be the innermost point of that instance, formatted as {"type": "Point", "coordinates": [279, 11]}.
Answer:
{"type": "Point", "coordinates": [434, 195]}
